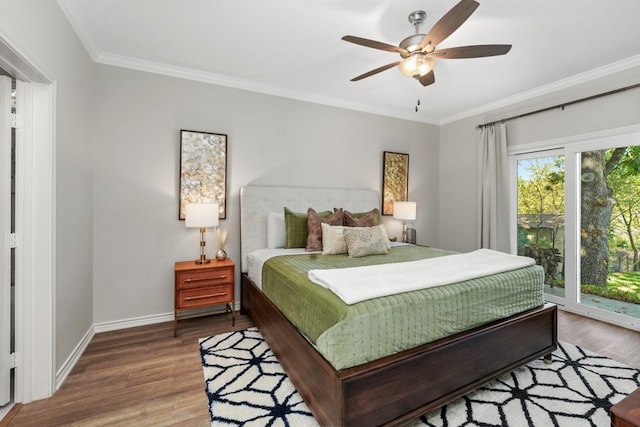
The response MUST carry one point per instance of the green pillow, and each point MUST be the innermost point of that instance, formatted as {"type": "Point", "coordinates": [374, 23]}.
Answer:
{"type": "Point", "coordinates": [295, 224]}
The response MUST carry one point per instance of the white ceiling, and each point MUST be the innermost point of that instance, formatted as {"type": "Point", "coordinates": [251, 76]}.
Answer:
{"type": "Point", "coordinates": [292, 48]}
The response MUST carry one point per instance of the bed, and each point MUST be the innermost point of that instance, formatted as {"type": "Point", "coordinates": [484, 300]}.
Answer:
{"type": "Point", "coordinates": [397, 387]}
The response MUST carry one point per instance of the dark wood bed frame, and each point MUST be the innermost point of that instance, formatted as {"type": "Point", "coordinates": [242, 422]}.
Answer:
{"type": "Point", "coordinates": [397, 388]}
{"type": "Point", "coordinates": [401, 387]}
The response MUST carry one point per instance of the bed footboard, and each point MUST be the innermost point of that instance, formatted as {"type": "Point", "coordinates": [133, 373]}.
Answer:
{"type": "Point", "coordinates": [403, 386]}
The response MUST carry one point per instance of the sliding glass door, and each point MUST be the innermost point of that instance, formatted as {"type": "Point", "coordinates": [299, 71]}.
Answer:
{"type": "Point", "coordinates": [577, 210]}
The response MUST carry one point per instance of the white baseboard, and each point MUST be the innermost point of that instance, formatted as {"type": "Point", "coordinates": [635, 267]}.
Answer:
{"type": "Point", "coordinates": [158, 318]}
{"type": "Point", "coordinates": [115, 325]}
{"type": "Point", "coordinates": [133, 322]}
{"type": "Point", "coordinates": [73, 358]}
{"type": "Point", "coordinates": [4, 410]}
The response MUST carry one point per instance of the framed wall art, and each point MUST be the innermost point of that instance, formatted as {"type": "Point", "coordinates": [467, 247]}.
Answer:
{"type": "Point", "coordinates": [395, 180]}
{"type": "Point", "coordinates": [203, 170]}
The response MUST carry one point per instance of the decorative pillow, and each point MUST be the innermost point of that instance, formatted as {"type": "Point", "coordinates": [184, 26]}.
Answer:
{"type": "Point", "coordinates": [276, 231]}
{"type": "Point", "coordinates": [333, 242]}
{"type": "Point", "coordinates": [362, 219]}
{"type": "Point", "coordinates": [295, 229]}
{"type": "Point", "coordinates": [363, 241]}
{"type": "Point", "coordinates": [314, 228]}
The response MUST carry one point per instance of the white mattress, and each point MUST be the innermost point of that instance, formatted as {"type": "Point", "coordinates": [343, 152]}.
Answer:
{"type": "Point", "coordinates": [256, 259]}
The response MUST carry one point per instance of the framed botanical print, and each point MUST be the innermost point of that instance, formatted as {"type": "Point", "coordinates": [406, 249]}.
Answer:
{"type": "Point", "coordinates": [395, 180]}
{"type": "Point", "coordinates": [203, 170]}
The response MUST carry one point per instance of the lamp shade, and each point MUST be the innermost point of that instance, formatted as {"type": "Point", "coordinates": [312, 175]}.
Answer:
{"type": "Point", "coordinates": [405, 211]}
{"type": "Point", "coordinates": [201, 215]}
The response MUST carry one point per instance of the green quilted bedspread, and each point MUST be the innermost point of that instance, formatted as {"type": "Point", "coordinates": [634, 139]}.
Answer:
{"type": "Point", "coordinates": [350, 335]}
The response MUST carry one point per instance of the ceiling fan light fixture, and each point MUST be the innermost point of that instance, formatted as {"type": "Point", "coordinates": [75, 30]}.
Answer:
{"type": "Point", "coordinates": [418, 52]}
{"type": "Point", "coordinates": [417, 65]}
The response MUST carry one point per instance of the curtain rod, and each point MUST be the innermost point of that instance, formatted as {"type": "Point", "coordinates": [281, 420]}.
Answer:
{"type": "Point", "coordinates": [565, 104]}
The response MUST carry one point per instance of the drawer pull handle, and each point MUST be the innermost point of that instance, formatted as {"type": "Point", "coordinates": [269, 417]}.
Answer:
{"type": "Point", "coordinates": [219, 294]}
{"type": "Point", "coordinates": [189, 279]}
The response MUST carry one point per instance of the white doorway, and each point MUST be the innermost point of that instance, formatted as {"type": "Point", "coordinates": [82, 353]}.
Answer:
{"type": "Point", "coordinates": [34, 266]}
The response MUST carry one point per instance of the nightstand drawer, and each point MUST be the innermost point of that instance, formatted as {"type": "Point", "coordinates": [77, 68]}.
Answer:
{"type": "Point", "coordinates": [200, 297]}
{"type": "Point", "coordinates": [201, 285]}
{"type": "Point", "coordinates": [198, 279]}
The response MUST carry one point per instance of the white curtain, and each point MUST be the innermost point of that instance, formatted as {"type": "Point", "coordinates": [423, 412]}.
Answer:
{"type": "Point", "coordinates": [494, 226]}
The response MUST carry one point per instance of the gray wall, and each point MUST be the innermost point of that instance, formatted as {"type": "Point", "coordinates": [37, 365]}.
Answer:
{"type": "Point", "coordinates": [271, 141]}
{"type": "Point", "coordinates": [458, 180]}
{"type": "Point", "coordinates": [40, 31]}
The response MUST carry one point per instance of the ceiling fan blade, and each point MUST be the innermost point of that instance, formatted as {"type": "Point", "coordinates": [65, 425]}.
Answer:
{"type": "Point", "coordinates": [449, 23]}
{"type": "Point", "coordinates": [476, 51]}
{"type": "Point", "coordinates": [376, 71]}
{"type": "Point", "coordinates": [376, 45]}
{"type": "Point", "coordinates": [427, 79]}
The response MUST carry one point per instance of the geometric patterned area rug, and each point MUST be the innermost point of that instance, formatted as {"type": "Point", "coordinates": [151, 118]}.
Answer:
{"type": "Point", "coordinates": [246, 386]}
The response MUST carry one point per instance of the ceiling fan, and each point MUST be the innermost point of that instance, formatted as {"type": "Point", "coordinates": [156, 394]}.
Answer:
{"type": "Point", "coordinates": [418, 52]}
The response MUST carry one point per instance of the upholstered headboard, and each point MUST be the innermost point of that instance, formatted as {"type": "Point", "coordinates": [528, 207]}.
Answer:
{"type": "Point", "coordinates": [257, 201]}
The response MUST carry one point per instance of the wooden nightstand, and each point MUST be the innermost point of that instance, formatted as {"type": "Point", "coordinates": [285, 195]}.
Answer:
{"type": "Point", "coordinates": [203, 285]}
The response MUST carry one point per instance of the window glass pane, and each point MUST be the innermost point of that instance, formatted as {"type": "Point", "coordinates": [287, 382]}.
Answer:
{"type": "Point", "coordinates": [610, 229]}
{"type": "Point", "coordinates": [541, 212]}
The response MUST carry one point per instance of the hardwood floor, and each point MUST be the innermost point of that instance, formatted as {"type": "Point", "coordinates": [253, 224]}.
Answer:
{"type": "Point", "coordinates": [144, 376]}
{"type": "Point", "coordinates": [613, 341]}
{"type": "Point", "coordinates": [135, 377]}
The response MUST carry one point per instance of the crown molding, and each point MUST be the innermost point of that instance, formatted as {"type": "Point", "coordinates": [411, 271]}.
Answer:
{"type": "Point", "coordinates": [569, 82]}
{"type": "Point", "coordinates": [232, 82]}
{"type": "Point", "coordinates": [248, 85]}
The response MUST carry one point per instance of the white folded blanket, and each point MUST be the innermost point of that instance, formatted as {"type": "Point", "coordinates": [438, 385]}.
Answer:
{"type": "Point", "coordinates": [355, 284]}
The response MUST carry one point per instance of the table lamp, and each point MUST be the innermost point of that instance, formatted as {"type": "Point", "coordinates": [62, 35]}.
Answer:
{"type": "Point", "coordinates": [202, 216]}
{"type": "Point", "coordinates": [406, 211]}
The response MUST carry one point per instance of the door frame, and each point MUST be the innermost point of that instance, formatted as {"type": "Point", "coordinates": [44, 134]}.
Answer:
{"type": "Point", "coordinates": [5, 240]}
{"type": "Point", "coordinates": [602, 142]}
{"type": "Point", "coordinates": [35, 226]}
